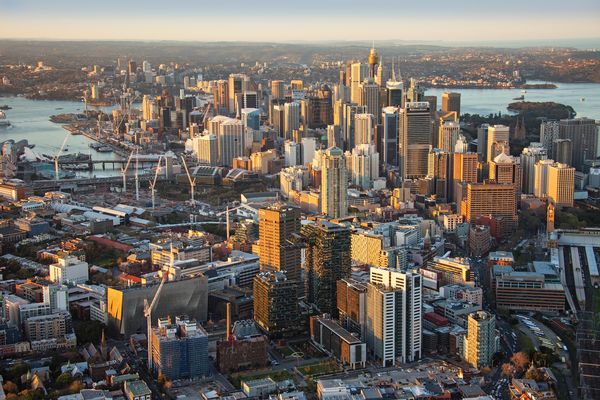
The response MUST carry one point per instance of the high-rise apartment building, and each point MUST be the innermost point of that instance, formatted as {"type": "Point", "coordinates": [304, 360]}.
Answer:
{"type": "Point", "coordinates": [415, 139]}
{"type": "Point", "coordinates": [497, 135]}
{"type": "Point", "coordinates": [180, 350]}
{"type": "Point", "coordinates": [277, 90]}
{"type": "Point", "coordinates": [549, 132]}
{"type": "Point", "coordinates": [327, 260]}
{"type": "Point", "coordinates": [369, 97]}
{"type": "Point", "coordinates": [529, 157]}
{"type": "Point", "coordinates": [540, 178]}
{"type": "Point", "coordinates": [562, 151]}
{"type": "Point", "coordinates": [275, 303]}
{"type": "Point", "coordinates": [482, 141]}
{"type": "Point", "coordinates": [506, 170]}
{"type": "Point", "coordinates": [236, 84]}
{"type": "Point", "coordinates": [439, 171]}
{"type": "Point", "coordinates": [276, 226]}
{"type": "Point", "coordinates": [221, 97]}
{"type": "Point", "coordinates": [334, 184]}
{"type": "Point", "coordinates": [358, 73]}
{"type": "Point", "coordinates": [206, 149]}
{"type": "Point", "coordinates": [364, 165]}
{"type": "Point", "coordinates": [491, 199]}
{"type": "Point", "coordinates": [352, 305]}
{"type": "Point", "coordinates": [481, 343]}
{"type": "Point", "coordinates": [231, 138]}
{"type": "Point", "coordinates": [451, 102]}
{"type": "Point", "coordinates": [394, 314]}
{"type": "Point", "coordinates": [291, 119]}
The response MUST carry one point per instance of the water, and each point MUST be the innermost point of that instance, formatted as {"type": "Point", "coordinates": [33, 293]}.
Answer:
{"type": "Point", "coordinates": [30, 120]}
{"type": "Point", "coordinates": [486, 101]}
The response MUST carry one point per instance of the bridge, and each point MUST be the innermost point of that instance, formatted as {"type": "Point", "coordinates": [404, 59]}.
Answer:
{"type": "Point", "coordinates": [95, 164]}
{"type": "Point", "coordinates": [50, 185]}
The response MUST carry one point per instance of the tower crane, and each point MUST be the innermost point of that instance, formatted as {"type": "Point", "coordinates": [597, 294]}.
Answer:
{"type": "Point", "coordinates": [58, 155]}
{"type": "Point", "coordinates": [124, 171]}
{"type": "Point", "coordinates": [192, 181]}
{"type": "Point", "coordinates": [153, 182]}
{"type": "Point", "coordinates": [137, 177]}
{"type": "Point", "coordinates": [148, 314]}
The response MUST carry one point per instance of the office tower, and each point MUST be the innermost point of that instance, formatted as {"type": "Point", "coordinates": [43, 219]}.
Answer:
{"type": "Point", "coordinates": [291, 153]}
{"type": "Point", "coordinates": [583, 133]}
{"type": "Point", "coordinates": [394, 314]}
{"type": "Point", "coordinates": [529, 157]}
{"type": "Point", "coordinates": [549, 132]}
{"type": "Point", "coordinates": [389, 145]}
{"type": "Point", "coordinates": [540, 179]}
{"type": "Point", "coordinates": [334, 183]}
{"type": "Point", "coordinates": [415, 93]}
{"type": "Point", "coordinates": [291, 118]}
{"type": "Point", "coordinates": [480, 343]}
{"type": "Point", "coordinates": [439, 171]}
{"type": "Point", "coordinates": [363, 129]}
{"type": "Point", "coordinates": [464, 170]}
{"type": "Point", "coordinates": [231, 138]}
{"type": "Point", "coordinates": [448, 135]}
{"type": "Point", "coordinates": [562, 151]}
{"type": "Point", "coordinates": [369, 97]}
{"type": "Point", "coordinates": [352, 305]}
{"type": "Point", "coordinates": [206, 149]}
{"type": "Point", "coordinates": [131, 67]}
{"type": "Point", "coordinates": [432, 100]}
{"type": "Point", "coordinates": [561, 184]}
{"type": "Point", "coordinates": [236, 83]}
{"type": "Point", "coordinates": [415, 139]}
{"type": "Point", "coordinates": [491, 199]}
{"type": "Point", "coordinates": [451, 102]}
{"type": "Point", "coordinates": [348, 125]}
{"type": "Point", "coordinates": [506, 170]}
{"type": "Point", "coordinates": [482, 141]}
{"type": "Point", "coordinates": [251, 118]}
{"type": "Point", "coordinates": [357, 75]}
{"type": "Point", "coordinates": [320, 108]}
{"type": "Point", "coordinates": [221, 97]}
{"type": "Point", "coordinates": [249, 99]}
{"type": "Point", "coordinates": [148, 107]}
{"type": "Point", "coordinates": [395, 93]}
{"type": "Point", "coordinates": [276, 227]}
{"type": "Point", "coordinates": [297, 84]}
{"type": "Point", "coordinates": [326, 260]}
{"type": "Point", "coordinates": [275, 303]}
{"type": "Point", "coordinates": [461, 145]}
{"type": "Point", "coordinates": [277, 90]}
{"type": "Point", "coordinates": [278, 119]}
{"type": "Point", "coordinates": [496, 135]}
{"type": "Point", "coordinates": [364, 165]}
{"type": "Point", "coordinates": [179, 350]}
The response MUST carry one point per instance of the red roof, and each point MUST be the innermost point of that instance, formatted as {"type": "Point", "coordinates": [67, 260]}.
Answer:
{"type": "Point", "coordinates": [110, 243]}
{"type": "Point", "coordinates": [436, 319]}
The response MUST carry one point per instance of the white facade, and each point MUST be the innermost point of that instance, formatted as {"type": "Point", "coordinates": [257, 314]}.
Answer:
{"type": "Point", "coordinates": [496, 134]}
{"type": "Point", "coordinates": [292, 178]}
{"type": "Point", "coordinates": [309, 146]}
{"type": "Point", "coordinates": [364, 165]}
{"type": "Point", "coordinates": [205, 149]}
{"type": "Point", "coordinates": [291, 153]}
{"type": "Point", "coordinates": [363, 129]}
{"type": "Point", "coordinates": [69, 270]}
{"type": "Point", "coordinates": [57, 296]}
{"type": "Point", "coordinates": [529, 157]}
{"type": "Point", "coordinates": [448, 135]}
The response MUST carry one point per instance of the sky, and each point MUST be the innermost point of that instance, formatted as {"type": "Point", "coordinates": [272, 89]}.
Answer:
{"type": "Point", "coordinates": [301, 20]}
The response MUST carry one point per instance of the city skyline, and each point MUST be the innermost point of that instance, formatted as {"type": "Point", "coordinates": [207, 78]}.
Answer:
{"type": "Point", "coordinates": [313, 22]}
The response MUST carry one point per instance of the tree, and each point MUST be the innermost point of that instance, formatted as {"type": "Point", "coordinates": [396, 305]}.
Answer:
{"type": "Point", "coordinates": [508, 369]}
{"type": "Point", "coordinates": [63, 380]}
{"type": "Point", "coordinates": [88, 331]}
{"type": "Point", "coordinates": [520, 360]}
{"type": "Point", "coordinates": [18, 369]}
{"type": "Point", "coordinates": [535, 374]}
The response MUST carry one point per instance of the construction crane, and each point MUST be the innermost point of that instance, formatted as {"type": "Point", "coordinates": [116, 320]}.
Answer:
{"type": "Point", "coordinates": [148, 314]}
{"type": "Point", "coordinates": [58, 155]}
{"type": "Point", "coordinates": [192, 181]}
{"type": "Point", "coordinates": [153, 182]}
{"type": "Point", "coordinates": [124, 171]}
{"type": "Point", "coordinates": [137, 177]}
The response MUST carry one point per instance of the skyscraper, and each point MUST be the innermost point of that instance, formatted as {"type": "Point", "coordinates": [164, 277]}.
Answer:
{"type": "Point", "coordinates": [482, 140]}
{"type": "Point", "coordinates": [327, 260]}
{"type": "Point", "coordinates": [236, 83]}
{"type": "Point", "coordinates": [562, 151]}
{"type": "Point", "coordinates": [277, 90]}
{"type": "Point", "coordinates": [464, 170]}
{"type": "Point", "coordinates": [448, 135]}
{"type": "Point", "coordinates": [206, 149]}
{"type": "Point", "coordinates": [548, 134]}
{"type": "Point", "coordinates": [364, 165]}
{"type": "Point", "coordinates": [561, 184]}
{"type": "Point", "coordinates": [583, 133]}
{"type": "Point", "coordinates": [275, 303]}
{"type": "Point", "coordinates": [278, 119]}
{"type": "Point", "coordinates": [291, 118]}
{"type": "Point", "coordinates": [334, 183]}
{"type": "Point", "coordinates": [415, 139]}
{"type": "Point", "coordinates": [496, 134]}
{"type": "Point", "coordinates": [231, 141]}
{"type": "Point", "coordinates": [480, 343]}
{"type": "Point", "coordinates": [357, 75]}
{"type": "Point", "coordinates": [506, 170]}
{"type": "Point", "coordinates": [369, 97]}
{"type": "Point", "coordinates": [529, 157]}
{"type": "Point", "coordinates": [276, 226]}
{"type": "Point", "coordinates": [394, 314]}
{"type": "Point", "coordinates": [451, 102]}
{"type": "Point", "coordinates": [439, 171]}
{"type": "Point", "coordinates": [348, 125]}
{"type": "Point", "coordinates": [363, 129]}
{"type": "Point", "coordinates": [389, 145]}
{"type": "Point", "coordinates": [491, 199]}
{"type": "Point", "coordinates": [540, 179]}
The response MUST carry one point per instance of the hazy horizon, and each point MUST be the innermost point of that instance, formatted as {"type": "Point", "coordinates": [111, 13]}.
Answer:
{"type": "Point", "coordinates": [310, 21]}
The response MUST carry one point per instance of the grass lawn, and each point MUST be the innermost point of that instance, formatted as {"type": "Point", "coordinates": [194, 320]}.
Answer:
{"type": "Point", "coordinates": [277, 376]}
{"type": "Point", "coordinates": [325, 367]}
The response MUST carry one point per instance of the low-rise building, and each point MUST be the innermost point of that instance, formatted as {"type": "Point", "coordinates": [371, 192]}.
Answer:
{"type": "Point", "coordinates": [334, 339]}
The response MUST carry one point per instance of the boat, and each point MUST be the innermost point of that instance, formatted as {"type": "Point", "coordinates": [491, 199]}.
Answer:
{"type": "Point", "coordinates": [4, 123]}
{"type": "Point", "coordinates": [104, 149]}
{"type": "Point", "coordinates": [66, 149]}
{"type": "Point", "coordinates": [521, 97]}
{"type": "Point", "coordinates": [582, 99]}
{"type": "Point", "coordinates": [5, 107]}
{"type": "Point", "coordinates": [523, 91]}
